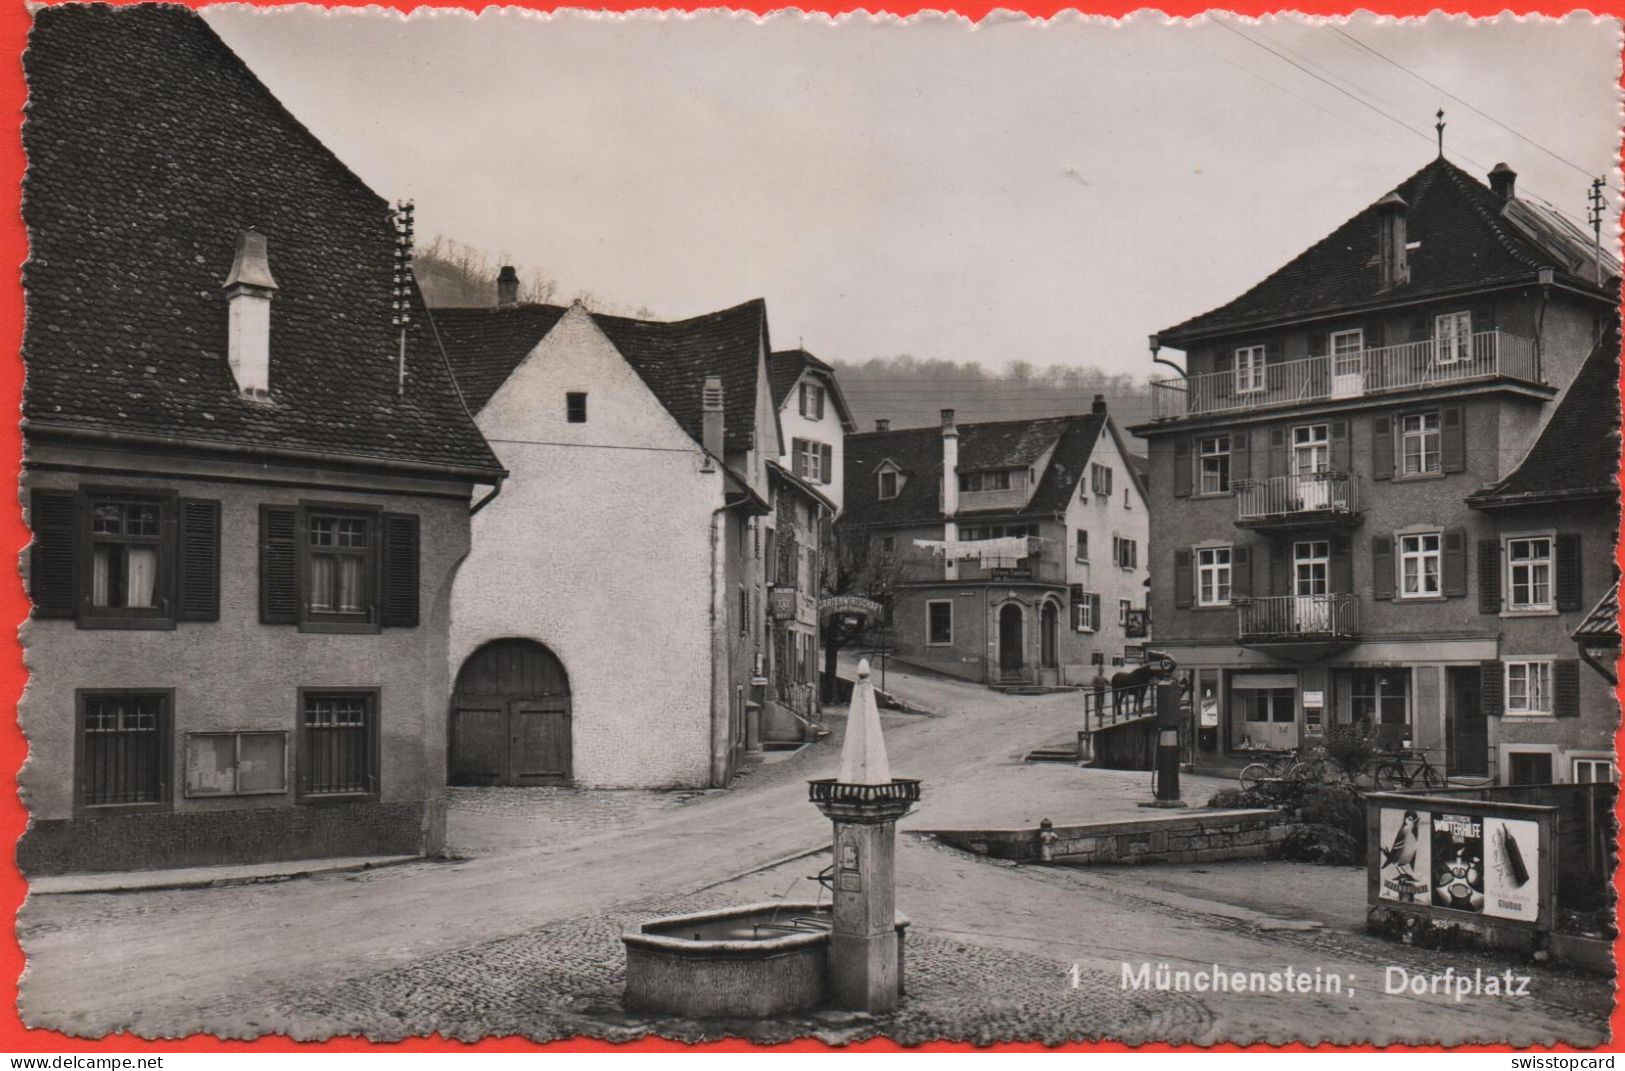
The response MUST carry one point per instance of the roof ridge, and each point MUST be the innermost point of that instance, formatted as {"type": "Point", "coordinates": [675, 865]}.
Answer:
{"type": "Point", "coordinates": [1470, 186]}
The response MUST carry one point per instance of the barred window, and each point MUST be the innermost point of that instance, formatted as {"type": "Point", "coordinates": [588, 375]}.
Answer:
{"type": "Point", "coordinates": [123, 749]}
{"type": "Point", "coordinates": [338, 753]}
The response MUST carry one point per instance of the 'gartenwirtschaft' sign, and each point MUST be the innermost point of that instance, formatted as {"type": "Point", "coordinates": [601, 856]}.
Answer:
{"type": "Point", "coordinates": [849, 604]}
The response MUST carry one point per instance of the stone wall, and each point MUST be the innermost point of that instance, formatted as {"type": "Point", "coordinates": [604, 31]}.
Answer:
{"type": "Point", "coordinates": [1189, 837]}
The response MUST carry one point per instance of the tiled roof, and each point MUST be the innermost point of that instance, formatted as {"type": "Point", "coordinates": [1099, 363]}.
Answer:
{"type": "Point", "coordinates": [151, 147]}
{"type": "Point", "coordinates": [784, 370]}
{"type": "Point", "coordinates": [1577, 454]}
{"type": "Point", "coordinates": [1602, 623]}
{"type": "Point", "coordinates": [674, 358]}
{"type": "Point", "coordinates": [1465, 241]}
{"type": "Point", "coordinates": [1001, 444]}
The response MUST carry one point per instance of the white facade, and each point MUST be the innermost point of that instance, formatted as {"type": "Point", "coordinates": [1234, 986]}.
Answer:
{"type": "Point", "coordinates": [600, 546]}
{"type": "Point", "coordinates": [1121, 515]}
{"type": "Point", "coordinates": [825, 431]}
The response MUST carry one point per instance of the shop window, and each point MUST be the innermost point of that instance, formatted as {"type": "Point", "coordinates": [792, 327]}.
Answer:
{"type": "Point", "coordinates": [1382, 699]}
{"type": "Point", "coordinates": [1529, 768]}
{"type": "Point", "coordinates": [1593, 771]}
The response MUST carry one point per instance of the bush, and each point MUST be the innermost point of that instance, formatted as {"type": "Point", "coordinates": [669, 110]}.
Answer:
{"type": "Point", "coordinates": [1330, 829]}
{"type": "Point", "coordinates": [1351, 746]}
{"type": "Point", "coordinates": [1316, 843]}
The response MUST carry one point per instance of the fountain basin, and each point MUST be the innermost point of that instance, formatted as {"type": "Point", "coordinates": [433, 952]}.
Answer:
{"type": "Point", "coordinates": [754, 960]}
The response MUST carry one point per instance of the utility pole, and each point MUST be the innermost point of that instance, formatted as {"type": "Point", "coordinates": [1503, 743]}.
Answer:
{"type": "Point", "coordinates": [1594, 210]}
{"type": "Point", "coordinates": [401, 294]}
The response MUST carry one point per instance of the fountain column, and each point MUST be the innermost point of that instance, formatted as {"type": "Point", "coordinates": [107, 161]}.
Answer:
{"type": "Point", "coordinates": [864, 802]}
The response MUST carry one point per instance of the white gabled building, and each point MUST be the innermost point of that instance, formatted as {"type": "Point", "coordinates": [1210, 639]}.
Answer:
{"type": "Point", "coordinates": [815, 418]}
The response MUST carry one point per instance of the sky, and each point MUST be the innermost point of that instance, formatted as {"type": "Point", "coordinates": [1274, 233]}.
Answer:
{"type": "Point", "coordinates": [1010, 190]}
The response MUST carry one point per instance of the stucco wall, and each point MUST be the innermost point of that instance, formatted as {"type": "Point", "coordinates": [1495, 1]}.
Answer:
{"type": "Point", "coordinates": [828, 430]}
{"type": "Point", "coordinates": [600, 548]}
{"type": "Point", "coordinates": [1105, 517]}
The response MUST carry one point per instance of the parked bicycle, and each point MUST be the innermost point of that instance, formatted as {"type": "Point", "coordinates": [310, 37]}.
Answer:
{"type": "Point", "coordinates": [1274, 766]}
{"type": "Point", "coordinates": [1408, 768]}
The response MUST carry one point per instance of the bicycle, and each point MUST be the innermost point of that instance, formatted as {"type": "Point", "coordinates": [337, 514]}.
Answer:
{"type": "Point", "coordinates": [1395, 774]}
{"type": "Point", "coordinates": [1277, 767]}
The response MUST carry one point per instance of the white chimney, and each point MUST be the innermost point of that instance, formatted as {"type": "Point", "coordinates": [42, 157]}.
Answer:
{"type": "Point", "coordinates": [711, 416]}
{"type": "Point", "coordinates": [950, 489]}
{"type": "Point", "coordinates": [507, 286]}
{"type": "Point", "coordinates": [249, 290]}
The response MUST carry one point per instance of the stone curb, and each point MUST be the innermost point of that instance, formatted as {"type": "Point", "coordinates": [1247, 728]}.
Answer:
{"type": "Point", "coordinates": [206, 877]}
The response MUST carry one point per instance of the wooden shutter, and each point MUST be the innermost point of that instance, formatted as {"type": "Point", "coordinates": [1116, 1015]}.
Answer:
{"type": "Point", "coordinates": [801, 398]}
{"type": "Point", "coordinates": [199, 557]}
{"type": "Point", "coordinates": [1455, 563]}
{"type": "Point", "coordinates": [818, 406]}
{"type": "Point", "coordinates": [1489, 576]}
{"type": "Point", "coordinates": [1340, 445]}
{"type": "Point", "coordinates": [1382, 567]}
{"type": "Point", "coordinates": [1340, 573]}
{"type": "Point", "coordinates": [1183, 467]}
{"type": "Point", "coordinates": [1280, 565]}
{"type": "Point", "coordinates": [1183, 580]}
{"type": "Point", "coordinates": [279, 565]}
{"type": "Point", "coordinates": [1224, 367]}
{"type": "Point", "coordinates": [1094, 611]}
{"type": "Point", "coordinates": [1371, 335]}
{"type": "Point", "coordinates": [1453, 439]}
{"type": "Point", "coordinates": [53, 560]}
{"type": "Point", "coordinates": [826, 463]}
{"type": "Point", "coordinates": [1241, 573]}
{"type": "Point", "coordinates": [1241, 458]}
{"type": "Point", "coordinates": [1483, 318]}
{"type": "Point", "coordinates": [1566, 687]}
{"type": "Point", "coordinates": [1382, 448]}
{"type": "Point", "coordinates": [1491, 680]}
{"type": "Point", "coordinates": [1421, 327]}
{"type": "Point", "coordinates": [1568, 571]}
{"type": "Point", "coordinates": [1319, 344]}
{"type": "Point", "coordinates": [1277, 451]}
{"type": "Point", "coordinates": [398, 590]}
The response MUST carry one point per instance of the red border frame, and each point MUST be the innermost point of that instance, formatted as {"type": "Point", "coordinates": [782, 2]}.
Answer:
{"type": "Point", "coordinates": [14, 1036]}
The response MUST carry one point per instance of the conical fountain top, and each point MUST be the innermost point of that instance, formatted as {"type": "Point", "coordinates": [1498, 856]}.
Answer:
{"type": "Point", "coordinates": [863, 753]}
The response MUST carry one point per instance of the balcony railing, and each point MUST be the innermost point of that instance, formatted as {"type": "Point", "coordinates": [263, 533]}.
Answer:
{"type": "Point", "coordinates": [1410, 366]}
{"type": "Point", "coordinates": [1284, 617]}
{"type": "Point", "coordinates": [1308, 497]}
{"type": "Point", "coordinates": [1013, 497]}
{"type": "Point", "coordinates": [1042, 562]}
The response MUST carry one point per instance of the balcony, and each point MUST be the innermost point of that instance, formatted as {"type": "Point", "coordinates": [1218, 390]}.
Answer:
{"type": "Point", "coordinates": [1303, 627]}
{"type": "Point", "coordinates": [1010, 498]}
{"type": "Point", "coordinates": [1043, 562]}
{"type": "Point", "coordinates": [1390, 369]}
{"type": "Point", "coordinates": [1305, 500]}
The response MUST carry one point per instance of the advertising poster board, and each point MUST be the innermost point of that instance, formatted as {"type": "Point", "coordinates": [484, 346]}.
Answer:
{"type": "Point", "coordinates": [1512, 869]}
{"type": "Point", "coordinates": [1406, 853]}
{"type": "Point", "coordinates": [1458, 862]}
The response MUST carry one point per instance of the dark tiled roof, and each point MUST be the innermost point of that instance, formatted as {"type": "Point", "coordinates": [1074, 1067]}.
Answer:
{"type": "Point", "coordinates": [1577, 454]}
{"type": "Point", "coordinates": [1002, 444]}
{"type": "Point", "coordinates": [485, 345]}
{"type": "Point", "coordinates": [1602, 623]}
{"type": "Point", "coordinates": [784, 369]}
{"type": "Point", "coordinates": [1464, 239]}
{"type": "Point", "coordinates": [150, 147]}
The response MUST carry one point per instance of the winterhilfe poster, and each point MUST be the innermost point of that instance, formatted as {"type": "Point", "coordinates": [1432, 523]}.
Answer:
{"type": "Point", "coordinates": [1458, 862]}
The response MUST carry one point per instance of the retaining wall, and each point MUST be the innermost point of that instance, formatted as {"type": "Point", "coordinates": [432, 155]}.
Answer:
{"type": "Point", "coordinates": [1185, 837]}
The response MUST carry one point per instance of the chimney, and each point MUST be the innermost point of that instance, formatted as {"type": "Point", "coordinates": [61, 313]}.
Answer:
{"type": "Point", "coordinates": [249, 290]}
{"type": "Point", "coordinates": [950, 469]}
{"type": "Point", "coordinates": [882, 424]}
{"type": "Point", "coordinates": [507, 286]}
{"type": "Point", "coordinates": [1099, 405]}
{"type": "Point", "coordinates": [1393, 267]}
{"type": "Point", "coordinates": [711, 416]}
{"type": "Point", "coordinates": [1504, 181]}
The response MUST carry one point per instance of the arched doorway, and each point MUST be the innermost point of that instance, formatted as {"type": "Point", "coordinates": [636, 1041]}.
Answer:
{"type": "Point", "coordinates": [1051, 633]}
{"type": "Point", "coordinates": [1011, 647]}
{"type": "Point", "coordinates": [510, 717]}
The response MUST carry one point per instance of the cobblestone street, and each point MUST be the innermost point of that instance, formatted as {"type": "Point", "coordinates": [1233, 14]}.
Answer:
{"type": "Point", "coordinates": [519, 933]}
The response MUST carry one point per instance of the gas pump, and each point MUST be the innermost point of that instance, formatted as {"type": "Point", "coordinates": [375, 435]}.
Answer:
{"type": "Point", "coordinates": [1168, 691]}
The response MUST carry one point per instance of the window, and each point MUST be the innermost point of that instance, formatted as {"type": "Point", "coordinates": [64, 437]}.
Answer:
{"type": "Point", "coordinates": [1085, 610]}
{"type": "Point", "coordinates": [1249, 369]}
{"type": "Point", "coordinates": [976, 533]}
{"type": "Point", "coordinates": [123, 745]}
{"type": "Point", "coordinates": [1419, 443]}
{"type": "Point", "coordinates": [1347, 350]}
{"type": "Point", "coordinates": [338, 753]}
{"type": "Point", "coordinates": [939, 623]}
{"type": "Point", "coordinates": [338, 566]}
{"type": "Point", "coordinates": [1123, 608]}
{"type": "Point", "coordinates": [1382, 698]}
{"type": "Point", "coordinates": [985, 481]}
{"type": "Point", "coordinates": [888, 483]}
{"type": "Point", "coordinates": [236, 764]}
{"type": "Point", "coordinates": [1100, 479]}
{"type": "Point", "coordinates": [1213, 576]}
{"type": "Point", "coordinates": [575, 407]}
{"type": "Point", "coordinates": [744, 610]}
{"type": "Point", "coordinates": [1529, 688]}
{"type": "Point", "coordinates": [1529, 768]}
{"type": "Point", "coordinates": [1083, 545]}
{"type": "Point", "coordinates": [1311, 449]}
{"type": "Point", "coordinates": [1593, 771]}
{"type": "Point", "coordinates": [812, 401]}
{"type": "Point", "coordinates": [1419, 565]}
{"type": "Point", "coordinates": [1453, 337]}
{"type": "Point", "coordinates": [812, 460]}
{"type": "Point", "coordinates": [888, 544]}
{"type": "Point", "coordinates": [1127, 502]}
{"type": "Point", "coordinates": [1310, 562]}
{"type": "Point", "coordinates": [124, 550]}
{"type": "Point", "coordinates": [1125, 552]}
{"type": "Point", "coordinates": [1529, 573]}
{"type": "Point", "coordinates": [1213, 465]}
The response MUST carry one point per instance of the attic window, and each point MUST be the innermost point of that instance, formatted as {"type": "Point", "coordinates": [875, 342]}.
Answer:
{"type": "Point", "coordinates": [888, 483]}
{"type": "Point", "coordinates": [575, 407]}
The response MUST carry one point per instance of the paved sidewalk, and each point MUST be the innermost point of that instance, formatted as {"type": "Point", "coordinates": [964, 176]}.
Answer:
{"type": "Point", "coordinates": [206, 877]}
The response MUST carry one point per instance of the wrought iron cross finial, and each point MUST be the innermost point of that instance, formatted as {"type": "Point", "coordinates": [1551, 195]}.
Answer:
{"type": "Point", "coordinates": [1439, 126]}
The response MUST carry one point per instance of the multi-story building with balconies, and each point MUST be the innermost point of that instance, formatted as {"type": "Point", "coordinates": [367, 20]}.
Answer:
{"type": "Point", "coordinates": [1017, 546]}
{"type": "Point", "coordinates": [1316, 558]}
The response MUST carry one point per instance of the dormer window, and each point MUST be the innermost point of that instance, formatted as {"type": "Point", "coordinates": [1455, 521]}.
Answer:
{"type": "Point", "coordinates": [888, 483]}
{"type": "Point", "coordinates": [985, 481]}
{"type": "Point", "coordinates": [812, 401]}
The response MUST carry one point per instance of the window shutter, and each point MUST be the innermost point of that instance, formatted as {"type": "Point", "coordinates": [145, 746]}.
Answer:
{"type": "Point", "coordinates": [1340, 578]}
{"type": "Point", "coordinates": [1382, 567]}
{"type": "Point", "coordinates": [398, 593]}
{"type": "Point", "coordinates": [1224, 363]}
{"type": "Point", "coordinates": [1183, 467]}
{"type": "Point", "coordinates": [1421, 327]}
{"type": "Point", "coordinates": [1455, 563]}
{"type": "Point", "coordinates": [1241, 461]}
{"type": "Point", "coordinates": [818, 405]}
{"type": "Point", "coordinates": [826, 463]}
{"type": "Point", "coordinates": [798, 453]}
{"type": "Point", "coordinates": [1566, 687]}
{"type": "Point", "coordinates": [1382, 448]}
{"type": "Point", "coordinates": [199, 588]}
{"type": "Point", "coordinates": [1277, 451]}
{"type": "Point", "coordinates": [1491, 679]}
{"type": "Point", "coordinates": [1453, 439]}
{"type": "Point", "coordinates": [1489, 576]}
{"type": "Point", "coordinates": [279, 565]}
{"type": "Point", "coordinates": [1280, 569]}
{"type": "Point", "coordinates": [1568, 571]}
{"type": "Point", "coordinates": [1094, 611]}
{"type": "Point", "coordinates": [1075, 592]}
{"type": "Point", "coordinates": [1319, 344]}
{"type": "Point", "coordinates": [1183, 581]}
{"type": "Point", "coordinates": [1371, 335]}
{"type": "Point", "coordinates": [1340, 445]}
{"type": "Point", "coordinates": [801, 398]}
{"type": "Point", "coordinates": [1272, 352]}
{"type": "Point", "coordinates": [1483, 318]}
{"type": "Point", "coordinates": [1241, 572]}
{"type": "Point", "coordinates": [53, 560]}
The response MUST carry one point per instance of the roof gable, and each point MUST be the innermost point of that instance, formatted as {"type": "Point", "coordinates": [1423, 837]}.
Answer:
{"type": "Point", "coordinates": [786, 368]}
{"type": "Point", "coordinates": [151, 147]}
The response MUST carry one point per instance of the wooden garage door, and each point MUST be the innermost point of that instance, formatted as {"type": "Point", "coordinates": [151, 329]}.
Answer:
{"type": "Point", "coordinates": [510, 718]}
